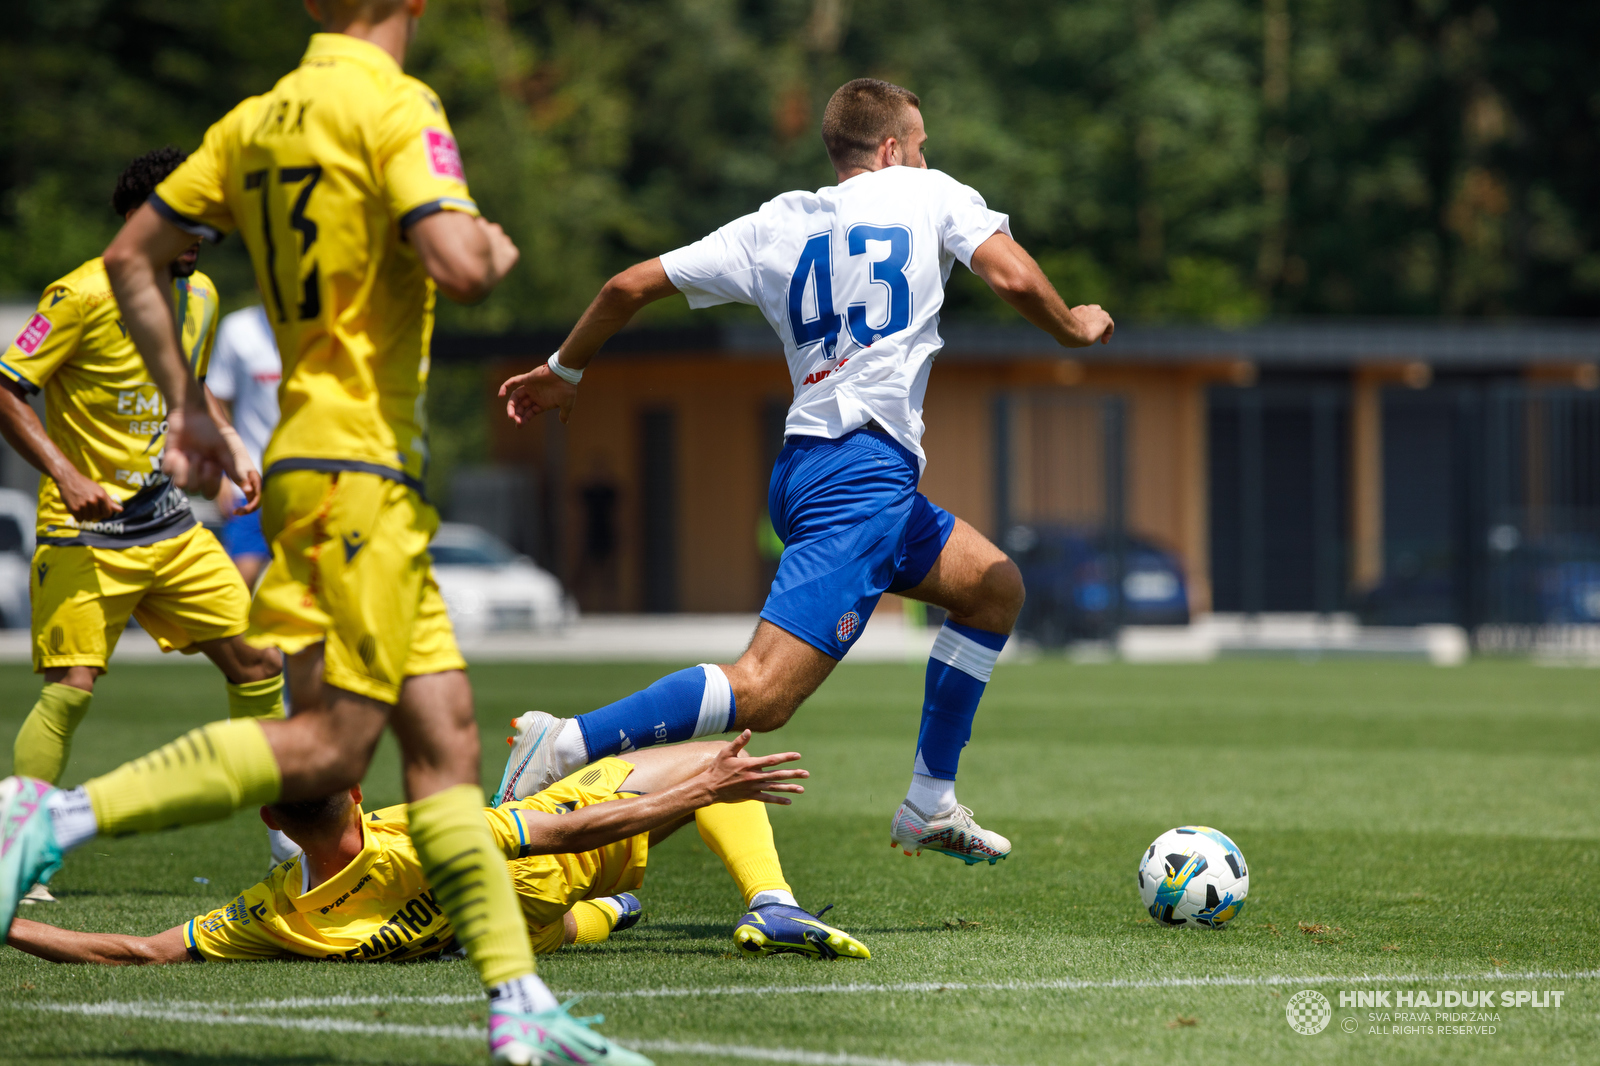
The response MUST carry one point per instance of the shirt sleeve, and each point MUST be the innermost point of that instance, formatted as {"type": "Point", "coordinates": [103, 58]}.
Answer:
{"type": "Point", "coordinates": [967, 222]}
{"type": "Point", "coordinates": [419, 160]}
{"type": "Point", "coordinates": [719, 268]}
{"type": "Point", "coordinates": [194, 197]}
{"type": "Point", "coordinates": [48, 340]}
{"type": "Point", "coordinates": [236, 931]}
{"type": "Point", "coordinates": [200, 357]}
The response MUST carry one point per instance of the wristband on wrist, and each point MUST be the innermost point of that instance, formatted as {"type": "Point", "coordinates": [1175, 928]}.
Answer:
{"type": "Point", "coordinates": [565, 373]}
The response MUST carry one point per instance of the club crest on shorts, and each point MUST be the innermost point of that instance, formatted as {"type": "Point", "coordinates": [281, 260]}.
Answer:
{"type": "Point", "coordinates": [849, 625]}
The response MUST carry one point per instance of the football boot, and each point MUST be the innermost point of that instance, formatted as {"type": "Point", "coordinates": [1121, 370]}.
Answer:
{"type": "Point", "coordinates": [954, 834]}
{"type": "Point", "coordinates": [29, 854]}
{"type": "Point", "coordinates": [554, 1038]}
{"type": "Point", "coordinates": [778, 929]}
{"type": "Point", "coordinates": [531, 767]}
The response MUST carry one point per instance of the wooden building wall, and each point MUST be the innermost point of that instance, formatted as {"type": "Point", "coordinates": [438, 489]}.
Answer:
{"type": "Point", "coordinates": [720, 465]}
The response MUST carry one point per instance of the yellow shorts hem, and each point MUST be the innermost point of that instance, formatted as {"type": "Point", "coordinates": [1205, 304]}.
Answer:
{"type": "Point", "coordinates": [52, 662]}
{"type": "Point", "coordinates": [288, 645]}
{"type": "Point", "coordinates": [360, 684]}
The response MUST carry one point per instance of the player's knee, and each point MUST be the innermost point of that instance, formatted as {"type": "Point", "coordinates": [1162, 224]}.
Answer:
{"type": "Point", "coordinates": [1006, 588]}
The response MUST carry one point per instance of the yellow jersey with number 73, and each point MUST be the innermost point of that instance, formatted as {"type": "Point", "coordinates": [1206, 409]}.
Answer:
{"type": "Point", "coordinates": [322, 176]}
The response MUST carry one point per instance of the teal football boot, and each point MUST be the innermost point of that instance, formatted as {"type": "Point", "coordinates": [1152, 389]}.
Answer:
{"type": "Point", "coordinates": [554, 1038]}
{"type": "Point", "coordinates": [29, 853]}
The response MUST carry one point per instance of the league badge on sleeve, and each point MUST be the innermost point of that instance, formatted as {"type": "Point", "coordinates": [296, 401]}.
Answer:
{"type": "Point", "coordinates": [444, 158]}
{"type": "Point", "coordinates": [849, 625]}
{"type": "Point", "coordinates": [33, 334]}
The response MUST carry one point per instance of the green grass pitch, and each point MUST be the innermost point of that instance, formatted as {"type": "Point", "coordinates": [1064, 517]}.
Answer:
{"type": "Point", "coordinates": [1399, 820]}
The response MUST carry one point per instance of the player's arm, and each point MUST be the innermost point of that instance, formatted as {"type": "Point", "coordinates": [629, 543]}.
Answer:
{"type": "Point", "coordinates": [88, 500]}
{"type": "Point", "coordinates": [1014, 276]}
{"type": "Point", "coordinates": [137, 262]}
{"type": "Point", "coordinates": [251, 485]}
{"type": "Point", "coordinates": [732, 777]}
{"type": "Point", "coordinates": [104, 949]}
{"type": "Point", "coordinates": [624, 296]}
{"type": "Point", "coordinates": [465, 255]}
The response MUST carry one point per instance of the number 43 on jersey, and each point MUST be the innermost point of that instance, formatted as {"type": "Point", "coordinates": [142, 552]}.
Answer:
{"type": "Point", "coordinates": [815, 270]}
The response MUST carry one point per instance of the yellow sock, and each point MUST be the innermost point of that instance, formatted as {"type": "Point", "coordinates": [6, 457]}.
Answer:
{"type": "Point", "coordinates": [44, 743]}
{"type": "Point", "coordinates": [206, 774]}
{"type": "Point", "coordinates": [256, 699]}
{"type": "Point", "coordinates": [741, 837]}
{"type": "Point", "coordinates": [594, 920]}
{"type": "Point", "coordinates": [470, 881]}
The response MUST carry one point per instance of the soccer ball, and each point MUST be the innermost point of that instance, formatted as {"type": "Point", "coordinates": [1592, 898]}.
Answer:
{"type": "Point", "coordinates": [1193, 875]}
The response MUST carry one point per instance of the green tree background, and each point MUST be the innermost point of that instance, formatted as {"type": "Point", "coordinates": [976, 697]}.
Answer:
{"type": "Point", "coordinates": [1211, 160]}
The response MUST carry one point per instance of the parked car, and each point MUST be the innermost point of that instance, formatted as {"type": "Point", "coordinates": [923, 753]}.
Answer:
{"type": "Point", "coordinates": [16, 556]}
{"type": "Point", "coordinates": [488, 587]}
{"type": "Point", "coordinates": [1069, 575]}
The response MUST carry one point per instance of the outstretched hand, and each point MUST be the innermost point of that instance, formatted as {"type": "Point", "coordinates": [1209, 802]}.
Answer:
{"type": "Point", "coordinates": [536, 392]}
{"type": "Point", "coordinates": [734, 777]}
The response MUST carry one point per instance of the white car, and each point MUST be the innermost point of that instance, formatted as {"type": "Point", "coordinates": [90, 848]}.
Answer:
{"type": "Point", "coordinates": [16, 556]}
{"type": "Point", "coordinates": [488, 587]}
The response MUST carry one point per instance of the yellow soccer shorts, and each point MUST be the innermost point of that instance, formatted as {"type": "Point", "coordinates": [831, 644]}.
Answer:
{"type": "Point", "coordinates": [548, 885]}
{"type": "Point", "coordinates": [183, 590]}
{"type": "Point", "coordinates": [350, 567]}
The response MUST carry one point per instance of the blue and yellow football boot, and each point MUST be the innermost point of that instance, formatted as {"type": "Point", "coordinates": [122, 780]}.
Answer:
{"type": "Point", "coordinates": [778, 929]}
{"type": "Point", "coordinates": [29, 853]}
{"type": "Point", "coordinates": [629, 910]}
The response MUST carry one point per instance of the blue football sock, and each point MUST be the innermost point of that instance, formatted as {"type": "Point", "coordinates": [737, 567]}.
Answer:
{"type": "Point", "coordinates": [958, 670]}
{"type": "Point", "coordinates": [696, 702]}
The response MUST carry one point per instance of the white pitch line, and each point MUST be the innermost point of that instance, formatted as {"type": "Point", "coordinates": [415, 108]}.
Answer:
{"type": "Point", "coordinates": [1055, 985]}
{"type": "Point", "coordinates": [315, 1025]}
{"type": "Point", "coordinates": [455, 1032]}
{"type": "Point", "coordinates": [1070, 985]}
{"type": "Point", "coordinates": [762, 1054]}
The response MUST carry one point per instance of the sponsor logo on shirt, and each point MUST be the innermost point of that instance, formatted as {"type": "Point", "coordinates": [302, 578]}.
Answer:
{"type": "Point", "coordinates": [33, 334]}
{"type": "Point", "coordinates": [444, 158]}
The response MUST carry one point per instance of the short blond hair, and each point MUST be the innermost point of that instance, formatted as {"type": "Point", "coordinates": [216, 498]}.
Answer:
{"type": "Point", "coordinates": [860, 115]}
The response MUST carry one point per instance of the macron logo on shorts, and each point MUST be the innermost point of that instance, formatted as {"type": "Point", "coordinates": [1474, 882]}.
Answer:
{"type": "Point", "coordinates": [33, 334]}
{"type": "Point", "coordinates": [444, 158]}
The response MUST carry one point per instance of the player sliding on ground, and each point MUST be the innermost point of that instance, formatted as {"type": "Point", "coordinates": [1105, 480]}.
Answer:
{"type": "Point", "coordinates": [115, 535]}
{"type": "Point", "coordinates": [348, 191]}
{"type": "Point", "coordinates": [358, 893]}
{"type": "Point", "coordinates": [852, 278]}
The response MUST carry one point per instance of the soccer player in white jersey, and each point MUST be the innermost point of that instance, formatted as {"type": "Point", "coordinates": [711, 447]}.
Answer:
{"type": "Point", "coordinates": [852, 279]}
{"type": "Point", "coordinates": [245, 371]}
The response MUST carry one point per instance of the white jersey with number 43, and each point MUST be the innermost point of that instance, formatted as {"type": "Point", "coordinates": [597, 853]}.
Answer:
{"type": "Point", "coordinates": [852, 277]}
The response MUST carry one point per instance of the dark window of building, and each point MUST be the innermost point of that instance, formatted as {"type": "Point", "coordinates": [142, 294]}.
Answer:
{"type": "Point", "coordinates": [658, 493]}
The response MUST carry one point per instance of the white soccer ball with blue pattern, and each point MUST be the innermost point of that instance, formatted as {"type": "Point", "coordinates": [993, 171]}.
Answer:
{"type": "Point", "coordinates": [1193, 875]}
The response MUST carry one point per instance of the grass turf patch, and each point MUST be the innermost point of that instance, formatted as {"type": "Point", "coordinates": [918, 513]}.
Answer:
{"type": "Point", "coordinates": [1399, 820]}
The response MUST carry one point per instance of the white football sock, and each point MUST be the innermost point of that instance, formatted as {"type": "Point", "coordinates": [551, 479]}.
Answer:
{"type": "Point", "coordinates": [571, 753]}
{"type": "Point", "coordinates": [716, 704]}
{"type": "Point", "coordinates": [933, 796]}
{"type": "Point", "coordinates": [72, 817]}
{"type": "Point", "coordinates": [525, 995]}
{"type": "Point", "coordinates": [771, 896]}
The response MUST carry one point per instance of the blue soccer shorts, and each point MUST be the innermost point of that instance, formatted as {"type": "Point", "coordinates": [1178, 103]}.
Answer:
{"type": "Point", "coordinates": [241, 535]}
{"type": "Point", "coordinates": [853, 527]}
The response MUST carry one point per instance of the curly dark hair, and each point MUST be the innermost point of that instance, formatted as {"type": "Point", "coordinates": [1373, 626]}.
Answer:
{"type": "Point", "coordinates": [135, 184]}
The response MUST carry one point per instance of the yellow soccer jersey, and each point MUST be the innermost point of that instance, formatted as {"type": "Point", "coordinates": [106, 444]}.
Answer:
{"type": "Point", "coordinates": [322, 176]}
{"type": "Point", "coordinates": [378, 908]}
{"type": "Point", "coordinates": [102, 409]}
